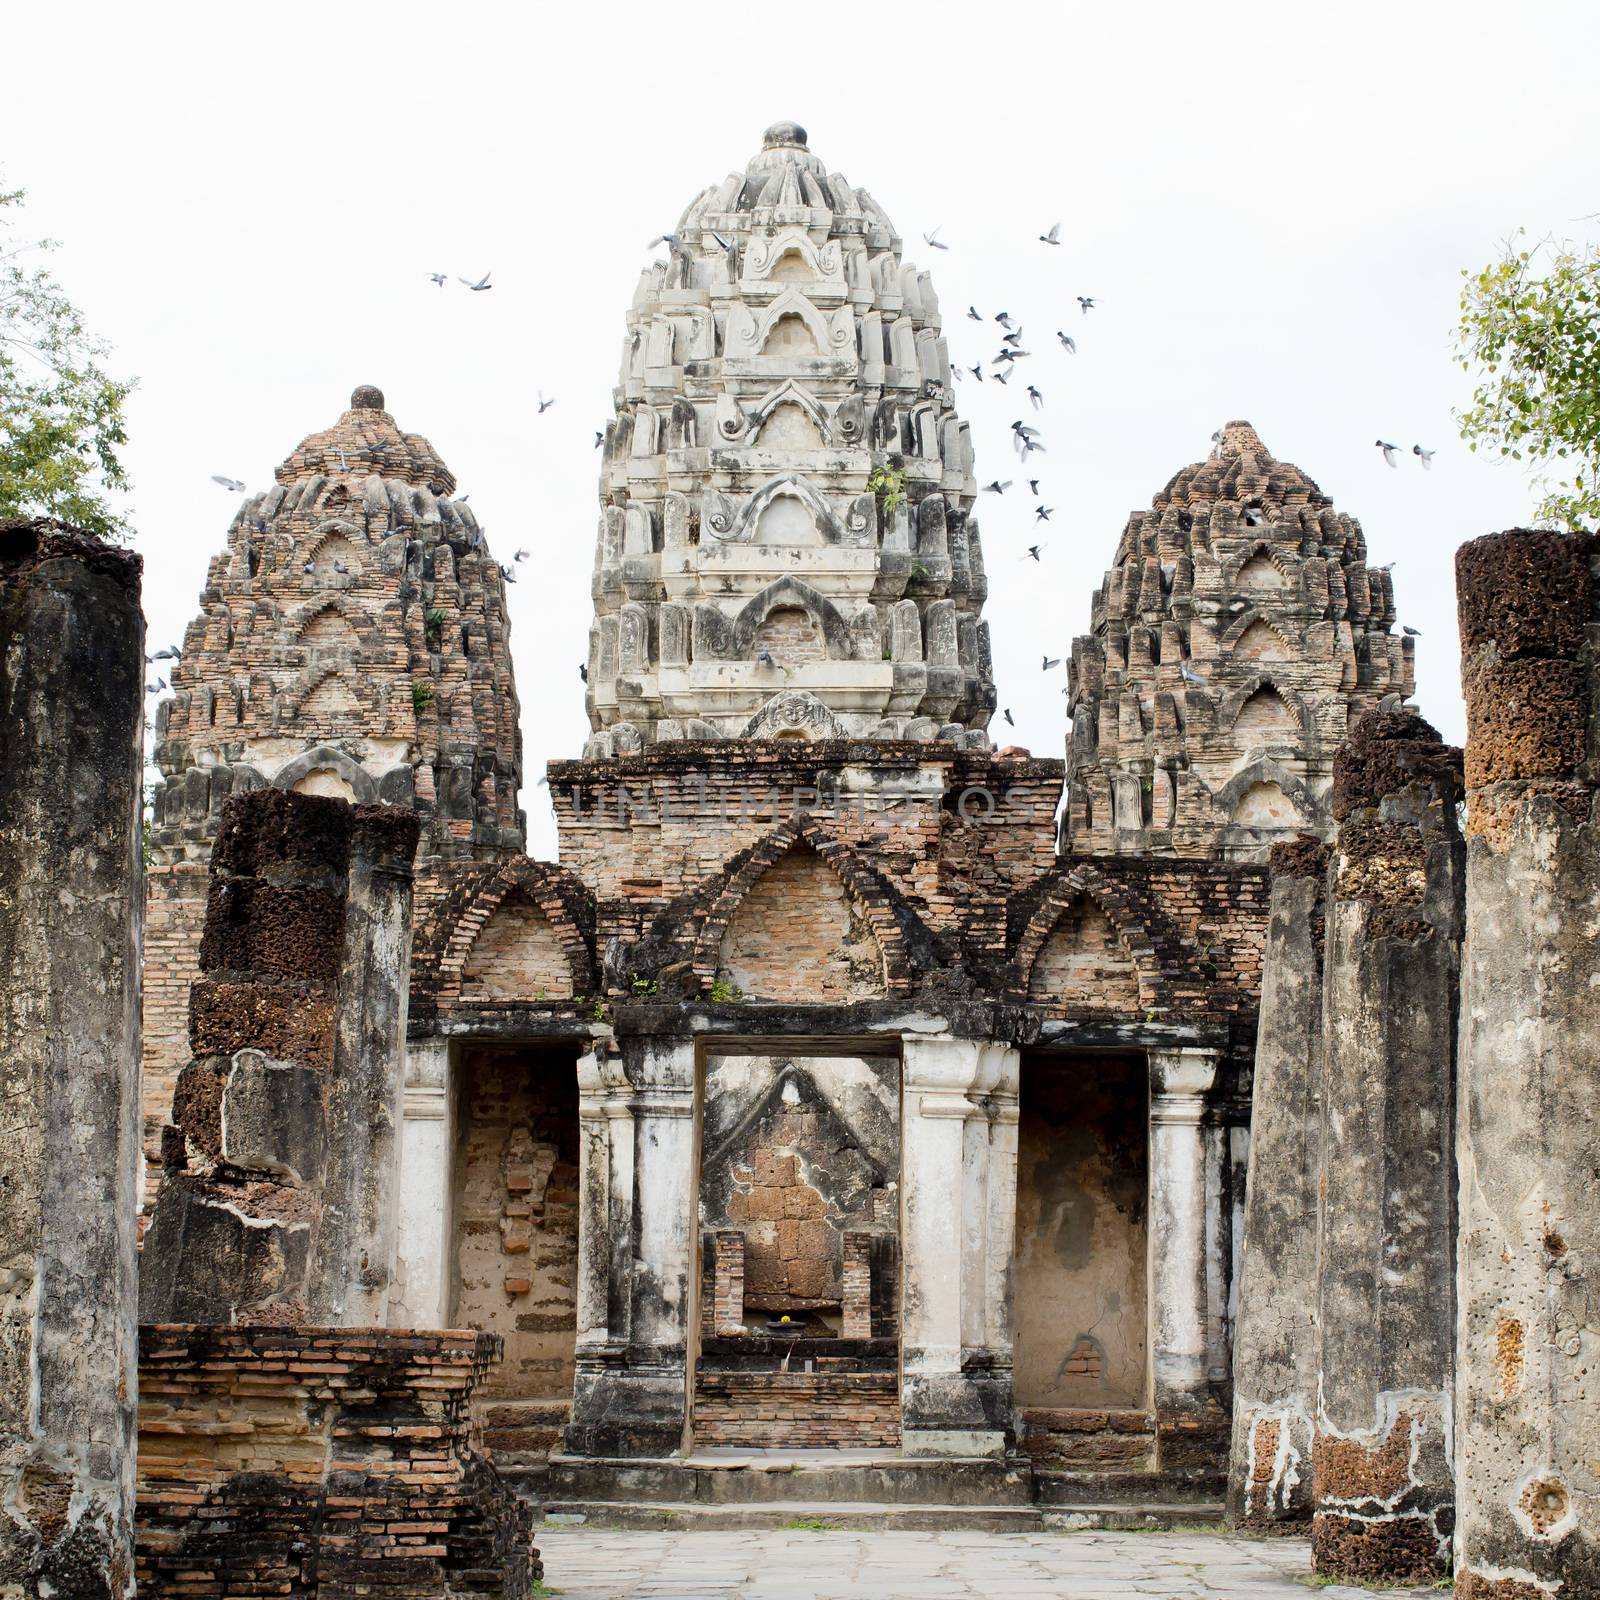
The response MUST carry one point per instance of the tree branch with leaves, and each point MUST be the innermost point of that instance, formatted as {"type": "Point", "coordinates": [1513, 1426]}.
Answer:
{"type": "Point", "coordinates": [61, 413]}
{"type": "Point", "coordinates": [1530, 333]}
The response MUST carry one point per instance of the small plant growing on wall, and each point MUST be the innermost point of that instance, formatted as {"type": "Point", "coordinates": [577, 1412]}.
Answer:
{"type": "Point", "coordinates": [723, 991]}
{"type": "Point", "coordinates": [433, 624]}
{"type": "Point", "coordinates": [421, 694]}
{"type": "Point", "coordinates": [642, 986]}
{"type": "Point", "coordinates": [889, 485]}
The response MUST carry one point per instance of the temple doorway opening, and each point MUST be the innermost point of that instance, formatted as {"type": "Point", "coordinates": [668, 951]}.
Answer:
{"type": "Point", "coordinates": [799, 1221]}
{"type": "Point", "coordinates": [1082, 1334]}
{"type": "Point", "coordinates": [514, 1255]}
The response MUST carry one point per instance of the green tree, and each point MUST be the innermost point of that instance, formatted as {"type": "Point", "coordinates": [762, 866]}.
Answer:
{"type": "Point", "coordinates": [1530, 334]}
{"type": "Point", "coordinates": [61, 421]}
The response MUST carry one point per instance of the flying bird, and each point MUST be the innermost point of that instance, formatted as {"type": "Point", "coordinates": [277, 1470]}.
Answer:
{"type": "Point", "coordinates": [544, 405]}
{"type": "Point", "coordinates": [997, 487]}
{"type": "Point", "coordinates": [599, 438]}
{"type": "Point", "coordinates": [1042, 513]}
{"type": "Point", "coordinates": [583, 672]}
{"type": "Point", "coordinates": [1003, 318]}
{"type": "Point", "coordinates": [521, 555]}
{"type": "Point", "coordinates": [171, 653]}
{"type": "Point", "coordinates": [478, 287]}
{"type": "Point", "coordinates": [1033, 550]}
{"type": "Point", "coordinates": [1253, 517]}
{"type": "Point", "coordinates": [1068, 342]}
{"type": "Point", "coordinates": [1189, 675]}
{"type": "Point", "coordinates": [764, 658]}
{"type": "Point", "coordinates": [727, 244]}
{"type": "Point", "coordinates": [671, 240]}
{"type": "Point", "coordinates": [1002, 377]}
{"type": "Point", "coordinates": [1049, 662]}
{"type": "Point", "coordinates": [1053, 236]}
{"type": "Point", "coordinates": [1013, 338]}
{"type": "Point", "coordinates": [1035, 396]}
{"type": "Point", "coordinates": [1086, 303]}
{"type": "Point", "coordinates": [506, 572]}
{"type": "Point", "coordinates": [934, 241]}
{"type": "Point", "coordinates": [1011, 721]}
{"type": "Point", "coordinates": [232, 485]}
{"type": "Point", "coordinates": [1033, 483]}
{"type": "Point", "coordinates": [972, 311]}
{"type": "Point", "coordinates": [1391, 452]}
{"type": "Point", "coordinates": [1410, 633]}
{"type": "Point", "coordinates": [440, 278]}
{"type": "Point", "coordinates": [977, 372]}
{"type": "Point", "coordinates": [1424, 456]}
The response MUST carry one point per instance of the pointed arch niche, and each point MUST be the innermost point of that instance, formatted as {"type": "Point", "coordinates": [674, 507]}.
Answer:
{"type": "Point", "coordinates": [517, 956]}
{"type": "Point", "coordinates": [1084, 965]}
{"type": "Point", "coordinates": [799, 935]}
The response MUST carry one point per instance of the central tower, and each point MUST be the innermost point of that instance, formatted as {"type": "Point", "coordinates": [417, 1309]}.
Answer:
{"type": "Point", "coordinates": [785, 547]}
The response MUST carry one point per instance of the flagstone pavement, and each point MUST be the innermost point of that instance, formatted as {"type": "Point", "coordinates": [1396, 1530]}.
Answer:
{"type": "Point", "coordinates": [836, 1564]}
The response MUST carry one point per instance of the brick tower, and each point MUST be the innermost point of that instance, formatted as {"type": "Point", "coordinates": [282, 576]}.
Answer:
{"type": "Point", "coordinates": [1235, 640]}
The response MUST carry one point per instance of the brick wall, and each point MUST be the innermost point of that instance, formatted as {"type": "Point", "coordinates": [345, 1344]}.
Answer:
{"type": "Point", "coordinates": [517, 955]}
{"type": "Point", "coordinates": [828, 1408]}
{"type": "Point", "coordinates": [320, 1461]}
{"type": "Point", "coordinates": [516, 1237]}
{"type": "Point", "coordinates": [175, 912]}
{"type": "Point", "coordinates": [1084, 966]}
{"type": "Point", "coordinates": [789, 636]}
{"type": "Point", "coordinates": [797, 936]}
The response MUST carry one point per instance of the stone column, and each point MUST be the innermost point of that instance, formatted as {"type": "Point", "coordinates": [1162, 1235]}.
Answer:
{"type": "Point", "coordinates": [1528, 1322]}
{"type": "Point", "coordinates": [637, 1171]}
{"type": "Point", "coordinates": [959, 1192]}
{"type": "Point", "coordinates": [348, 1281]}
{"type": "Point", "coordinates": [419, 1291]}
{"type": "Point", "coordinates": [71, 702]}
{"type": "Point", "coordinates": [1181, 1232]}
{"type": "Point", "coordinates": [1385, 1280]}
{"type": "Point", "coordinates": [1274, 1346]}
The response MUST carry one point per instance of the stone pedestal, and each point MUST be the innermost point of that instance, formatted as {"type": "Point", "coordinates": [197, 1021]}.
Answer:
{"type": "Point", "coordinates": [636, 1175]}
{"type": "Point", "coordinates": [1385, 1283]}
{"type": "Point", "coordinates": [959, 1218]}
{"type": "Point", "coordinates": [1528, 1324]}
{"type": "Point", "coordinates": [419, 1292]}
{"type": "Point", "coordinates": [1275, 1349]}
{"type": "Point", "coordinates": [71, 696]}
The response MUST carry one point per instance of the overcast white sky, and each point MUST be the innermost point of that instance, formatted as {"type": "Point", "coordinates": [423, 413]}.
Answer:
{"type": "Point", "coordinates": [1271, 202]}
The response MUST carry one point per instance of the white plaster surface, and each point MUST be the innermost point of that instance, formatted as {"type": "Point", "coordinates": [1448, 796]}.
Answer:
{"type": "Point", "coordinates": [799, 1564]}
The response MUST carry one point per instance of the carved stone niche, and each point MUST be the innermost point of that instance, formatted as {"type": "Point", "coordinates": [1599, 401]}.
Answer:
{"type": "Point", "coordinates": [794, 714]}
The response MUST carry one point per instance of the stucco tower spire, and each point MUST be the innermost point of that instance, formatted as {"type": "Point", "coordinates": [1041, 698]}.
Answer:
{"type": "Point", "coordinates": [785, 544]}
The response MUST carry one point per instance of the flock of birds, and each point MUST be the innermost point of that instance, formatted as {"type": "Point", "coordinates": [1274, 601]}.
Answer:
{"type": "Point", "coordinates": [1025, 439]}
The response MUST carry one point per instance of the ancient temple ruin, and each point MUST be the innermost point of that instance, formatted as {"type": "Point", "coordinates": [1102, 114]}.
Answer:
{"type": "Point", "coordinates": [854, 1112]}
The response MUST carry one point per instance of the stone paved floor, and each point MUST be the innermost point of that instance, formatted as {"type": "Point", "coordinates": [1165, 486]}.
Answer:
{"type": "Point", "coordinates": [795, 1564]}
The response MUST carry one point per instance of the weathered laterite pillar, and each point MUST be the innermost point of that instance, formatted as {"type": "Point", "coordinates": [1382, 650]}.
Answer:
{"type": "Point", "coordinates": [1385, 1324]}
{"type": "Point", "coordinates": [1275, 1345]}
{"type": "Point", "coordinates": [365, 1097]}
{"type": "Point", "coordinates": [71, 698]}
{"type": "Point", "coordinates": [280, 1195]}
{"type": "Point", "coordinates": [1528, 1143]}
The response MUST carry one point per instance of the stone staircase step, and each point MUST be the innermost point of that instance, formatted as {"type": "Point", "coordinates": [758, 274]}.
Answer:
{"type": "Point", "coordinates": [784, 1513]}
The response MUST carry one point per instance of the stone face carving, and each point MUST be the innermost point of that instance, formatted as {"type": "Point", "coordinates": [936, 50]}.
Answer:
{"type": "Point", "coordinates": [1233, 643]}
{"type": "Point", "coordinates": [782, 357]}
